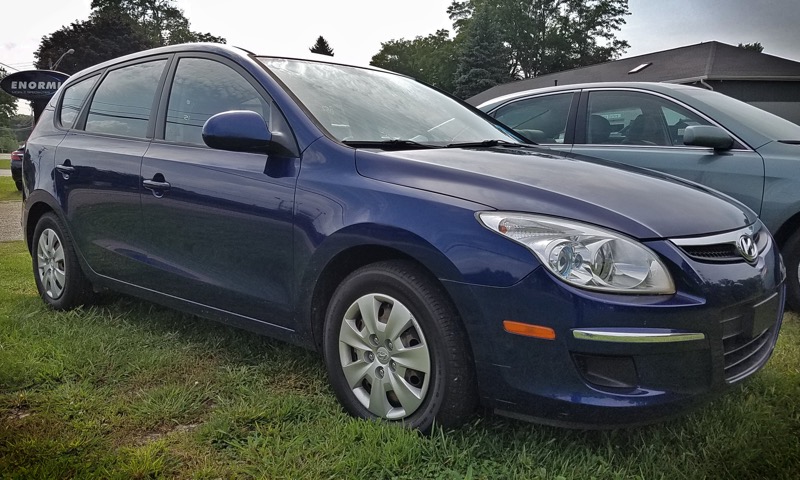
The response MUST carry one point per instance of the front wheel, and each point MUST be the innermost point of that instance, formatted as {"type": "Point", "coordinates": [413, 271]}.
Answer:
{"type": "Point", "coordinates": [791, 257]}
{"type": "Point", "coordinates": [59, 279]}
{"type": "Point", "coordinates": [395, 349]}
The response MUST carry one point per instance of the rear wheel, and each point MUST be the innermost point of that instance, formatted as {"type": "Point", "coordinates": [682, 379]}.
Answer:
{"type": "Point", "coordinates": [791, 257]}
{"type": "Point", "coordinates": [59, 279]}
{"type": "Point", "coordinates": [395, 350]}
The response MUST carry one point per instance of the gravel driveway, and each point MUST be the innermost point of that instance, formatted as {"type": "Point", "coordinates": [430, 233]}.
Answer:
{"type": "Point", "coordinates": [10, 214]}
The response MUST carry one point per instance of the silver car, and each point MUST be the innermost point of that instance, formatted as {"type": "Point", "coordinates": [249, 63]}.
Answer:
{"type": "Point", "coordinates": [690, 132]}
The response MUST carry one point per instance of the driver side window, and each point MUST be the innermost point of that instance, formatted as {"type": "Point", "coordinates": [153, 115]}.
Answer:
{"type": "Point", "coordinates": [202, 88]}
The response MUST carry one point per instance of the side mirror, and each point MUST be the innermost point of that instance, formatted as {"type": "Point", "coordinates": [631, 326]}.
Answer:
{"type": "Point", "coordinates": [238, 131]}
{"type": "Point", "coordinates": [707, 136]}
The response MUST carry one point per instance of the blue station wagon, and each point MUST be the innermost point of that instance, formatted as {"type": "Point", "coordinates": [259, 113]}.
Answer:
{"type": "Point", "coordinates": [436, 260]}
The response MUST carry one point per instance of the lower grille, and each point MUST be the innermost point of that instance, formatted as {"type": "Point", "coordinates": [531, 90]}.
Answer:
{"type": "Point", "coordinates": [748, 335]}
{"type": "Point", "coordinates": [743, 355]}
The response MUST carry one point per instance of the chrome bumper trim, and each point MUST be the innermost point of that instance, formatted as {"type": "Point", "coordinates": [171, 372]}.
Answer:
{"type": "Point", "coordinates": [654, 336]}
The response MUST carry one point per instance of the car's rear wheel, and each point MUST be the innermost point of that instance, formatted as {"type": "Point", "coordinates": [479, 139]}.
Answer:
{"type": "Point", "coordinates": [395, 349]}
{"type": "Point", "coordinates": [59, 279]}
{"type": "Point", "coordinates": [791, 258]}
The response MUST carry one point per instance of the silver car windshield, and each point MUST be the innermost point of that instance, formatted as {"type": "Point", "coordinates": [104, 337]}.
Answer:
{"type": "Point", "coordinates": [363, 105]}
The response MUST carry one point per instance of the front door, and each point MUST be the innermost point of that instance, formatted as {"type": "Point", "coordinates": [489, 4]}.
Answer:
{"type": "Point", "coordinates": [219, 223]}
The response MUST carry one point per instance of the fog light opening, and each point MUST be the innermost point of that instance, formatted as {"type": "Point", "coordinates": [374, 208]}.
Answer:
{"type": "Point", "coordinates": [607, 371]}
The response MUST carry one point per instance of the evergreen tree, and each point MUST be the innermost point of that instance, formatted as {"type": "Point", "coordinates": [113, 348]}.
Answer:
{"type": "Point", "coordinates": [545, 36]}
{"type": "Point", "coordinates": [755, 47]}
{"type": "Point", "coordinates": [484, 58]}
{"type": "Point", "coordinates": [322, 47]}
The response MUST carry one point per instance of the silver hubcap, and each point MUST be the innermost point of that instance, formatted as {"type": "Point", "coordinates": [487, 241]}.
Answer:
{"type": "Point", "coordinates": [50, 257]}
{"type": "Point", "coordinates": [384, 356]}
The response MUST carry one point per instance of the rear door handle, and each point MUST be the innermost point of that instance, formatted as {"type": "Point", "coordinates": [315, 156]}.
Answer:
{"type": "Point", "coordinates": [158, 188]}
{"type": "Point", "coordinates": [65, 169]}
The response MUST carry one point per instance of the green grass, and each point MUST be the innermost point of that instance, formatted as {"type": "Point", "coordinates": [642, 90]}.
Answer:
{"type": "Point", "coordinates": [5, 164]}
{"type": "Point", "coordinates": [8, 191]}
{"type": "Point", "coordinates": [130, 390]}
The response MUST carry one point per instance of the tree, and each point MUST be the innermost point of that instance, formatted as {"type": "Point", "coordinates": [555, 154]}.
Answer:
{"type": "Point", "coordinates": [322, 47]}
{"type": "Point", "coordinates": [8, 107]}
{"type": "Point", "coordinates": [484, 57]}
{"type": "Point", "coordinates": [105, 35]}
{"type": "Point", "coordinates": [756, 47]}
{"type": "Point", "coordinates": [432, 59]}
{"type": "Point", "coordinates": [551, 35]}
{"type": "Point", "coordinates": [161, 20]}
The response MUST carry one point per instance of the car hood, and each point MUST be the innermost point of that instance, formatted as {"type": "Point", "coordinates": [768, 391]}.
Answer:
{"type": "Point", "coordinates": [643, 205]}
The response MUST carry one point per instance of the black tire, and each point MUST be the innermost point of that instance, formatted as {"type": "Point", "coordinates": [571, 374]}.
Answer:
{"type": "Point", "coordinates": [791, 258]}
{"type": "Point", "coordinates": [60, 281]}
{"type": "Point", "coordinates": [447, 390]}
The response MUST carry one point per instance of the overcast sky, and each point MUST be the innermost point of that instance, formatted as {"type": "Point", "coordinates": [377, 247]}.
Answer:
{"type": "Point", "coordinates": [356, 28]}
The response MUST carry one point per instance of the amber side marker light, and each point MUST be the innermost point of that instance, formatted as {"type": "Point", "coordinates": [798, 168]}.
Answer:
{"type": "Point", "coordinates": [527, 330]}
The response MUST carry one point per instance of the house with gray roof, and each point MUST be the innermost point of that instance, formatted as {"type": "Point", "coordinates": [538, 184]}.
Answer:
{"type": "Point", "coordinates": [765, 81]}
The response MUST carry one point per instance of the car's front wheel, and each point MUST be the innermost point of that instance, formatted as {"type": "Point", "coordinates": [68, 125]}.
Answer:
{"type": "Point", "coordinates": [395, 350]}
{"type": "Point", "coordinates": [791, 257]}
{"type": "Point", "coordinates": [59, 279]}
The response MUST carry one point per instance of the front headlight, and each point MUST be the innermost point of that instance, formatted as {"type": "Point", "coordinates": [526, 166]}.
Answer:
{"type": "Point", "coordinates": [584, 255]}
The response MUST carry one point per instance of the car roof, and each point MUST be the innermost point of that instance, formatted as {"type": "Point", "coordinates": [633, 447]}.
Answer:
{"type": "Point", "coordinates": [651, 86]}
{"type": "Point", "coordinates": [218, 48]}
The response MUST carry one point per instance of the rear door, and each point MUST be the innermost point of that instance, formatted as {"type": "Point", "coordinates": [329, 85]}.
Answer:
{"type": "Point", "coordinates": [98, 163]}
{"type": "Point", "coordinates": [218, 223]}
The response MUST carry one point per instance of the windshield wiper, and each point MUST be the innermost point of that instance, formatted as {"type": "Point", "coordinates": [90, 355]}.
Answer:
{"type": "Point", "coordinates": [484, 144]}
{"type": "Point", "coordinates": [393, 144]}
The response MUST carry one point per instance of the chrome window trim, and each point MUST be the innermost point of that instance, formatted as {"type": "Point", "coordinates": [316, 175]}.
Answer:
{"type": "Point", "coordinates": [618, 336]}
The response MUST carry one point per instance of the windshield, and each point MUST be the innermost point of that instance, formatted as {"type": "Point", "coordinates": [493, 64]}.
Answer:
{"type": "Point", "coordinates": [362, 105]}
{"type": "Point", "coordinates": [765, 123]}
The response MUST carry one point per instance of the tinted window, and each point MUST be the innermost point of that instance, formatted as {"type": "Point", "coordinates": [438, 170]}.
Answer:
{"type": "Point", "coordinates": [541, 119]}
{"type": "Point", "coordinates": [124, 100]}
{"type": "Point", "coordinates": [203, 88]}
{"type": "Point", "coordinates": [74, 96]}
{"type": "Point", "coordinates": [635, 118]}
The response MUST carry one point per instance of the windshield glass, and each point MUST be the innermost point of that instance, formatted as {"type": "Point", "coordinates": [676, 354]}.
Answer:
{"type": "Point", "coordinates": [362, 105]}
{"type": "Point", "coordinates": [765, 123]}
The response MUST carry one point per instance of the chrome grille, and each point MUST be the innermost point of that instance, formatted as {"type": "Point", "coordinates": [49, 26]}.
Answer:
{"type": "Point", "coordinates": [722, 248]}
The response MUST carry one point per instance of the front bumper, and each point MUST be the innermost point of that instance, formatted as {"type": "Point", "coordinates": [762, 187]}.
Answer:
{"type": "Point", "coordinates": [622, 359]}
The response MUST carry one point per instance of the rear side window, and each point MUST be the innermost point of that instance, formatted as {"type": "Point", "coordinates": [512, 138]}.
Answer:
{"type": "Point", "coordinates": [74, 96]}
{"type": "Point", "coordinates": [124, 100]}
{"type": "Point", "coordinates": [203, 88]}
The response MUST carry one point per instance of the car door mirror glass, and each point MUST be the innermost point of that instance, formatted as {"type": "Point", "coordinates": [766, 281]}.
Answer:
{"type": "Point", "coordinates": [707, 136]}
